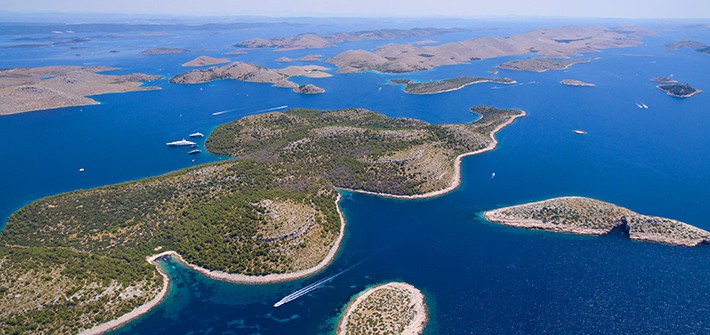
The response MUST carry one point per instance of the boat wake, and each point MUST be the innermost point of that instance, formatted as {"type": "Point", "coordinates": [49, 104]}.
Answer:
{"type": "Point", "coordinates": [259, 111]}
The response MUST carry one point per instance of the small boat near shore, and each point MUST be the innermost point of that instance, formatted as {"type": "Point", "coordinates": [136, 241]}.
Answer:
{"type": "Point", "coordinates": [180, 143]}
{"type": "Point", "coordinates": [193, 152]}
{"type": "Point", "coordinates": [197, 134]}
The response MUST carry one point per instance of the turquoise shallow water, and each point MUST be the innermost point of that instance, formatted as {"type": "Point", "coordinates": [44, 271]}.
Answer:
{"type": "Point", "coordinates": [478, 277]}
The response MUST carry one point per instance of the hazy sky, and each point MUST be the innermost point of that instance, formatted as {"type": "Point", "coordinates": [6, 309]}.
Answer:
{"type": "Point", "coordinates": [462, 8]}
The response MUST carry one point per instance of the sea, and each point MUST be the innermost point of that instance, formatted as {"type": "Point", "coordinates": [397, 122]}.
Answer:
{"type": "Point", "coordinates": [478, 277]}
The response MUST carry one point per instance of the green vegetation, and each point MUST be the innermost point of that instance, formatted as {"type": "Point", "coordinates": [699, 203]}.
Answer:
{"type": "Point", "coordinates": [679, 90]}
{"type": "Point", "coordinates": [78, 259]}
{"type": "Point", "coordinates": [392, 308]}
{"type": "Point", "coordinates": [446, 85]}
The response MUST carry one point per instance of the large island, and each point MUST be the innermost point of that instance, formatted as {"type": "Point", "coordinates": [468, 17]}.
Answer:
{"type": "Point", "coordinates": [558, 43]}
{"type": "Point", "coordinates": [30, 89]}
{"type": "Point", "coordinates": [77, 261]}
{"type": "Point", "coordinates": [316, 41]}
{"type": "Point", "coordinates": [587, 216]}
{"type": "Point", "coordinates": [255, 74]}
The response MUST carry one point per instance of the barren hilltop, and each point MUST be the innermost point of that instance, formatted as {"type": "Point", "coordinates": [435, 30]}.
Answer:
{"type": "Point", "coordinates": [316, 41]}
{"type": "Point", "coordinates": [30, 89]}
{"type": "Point", "coordinates": [554, 43]}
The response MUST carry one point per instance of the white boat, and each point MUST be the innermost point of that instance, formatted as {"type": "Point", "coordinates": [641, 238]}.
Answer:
{"type": "Point", "coordinates": [197, 134]}
{"type": "Point", "coordinates": [192, 152]}
{"type": "Point", "coordinates": [180, 143]}
{"type": "Point", "coordinates": [580, 132]}
{"type": "Point", "coordinates": [639, 105]}
{"type": "Point", "coordinates": [644, 105]}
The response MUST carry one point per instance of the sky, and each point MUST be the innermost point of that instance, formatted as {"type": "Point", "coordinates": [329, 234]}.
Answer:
{"type": "Point", "coordinates": [667, 9]}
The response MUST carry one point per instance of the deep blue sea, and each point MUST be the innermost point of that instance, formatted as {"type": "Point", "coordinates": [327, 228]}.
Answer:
{"type": "Point", "coordinates": [478, 277]}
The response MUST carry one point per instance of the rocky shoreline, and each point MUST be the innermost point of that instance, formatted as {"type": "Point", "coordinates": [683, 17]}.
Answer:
{"type": "Point", "coordinates": [391, 308]}
{"type": "Point", "coordinates": [585, 216]}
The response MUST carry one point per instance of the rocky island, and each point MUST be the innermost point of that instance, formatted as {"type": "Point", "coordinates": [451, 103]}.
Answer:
{"type": "Point", "coordinates": [205, 60]}
{"type": "Point", "coordinates": [251, 73]}
{"type": "Point", "coordinates": [587, 216]}
{"type": "Point", "coordinates": [665, 80]}
{"type": "Point", "coordinates": [540, 64]}
{"type": "Point", "coordinates": [446, 85]}
{"type": "Point", "coordinates": [77, 261]}
{"type": "Point", "coordinates": [164, 51]}
{"type": "Point", "coordinates": [306, 58]}
{"type": "Point", "coordinates": [388, 309]}
{"type": "Point", "coordinates": [308, 89]}
{"type": "Point", "coordinates": [679, 90]}
{"type": "Point", "coordinates": [31, 89]}
{"type": "Point", "coordinates": [560, 42]}
{"type": "Point", "coordinates": [574, 82]}
{"type": "Point", "coordinates": [690, 44]}
{"type": "Point", "coordinates": [316, 41]}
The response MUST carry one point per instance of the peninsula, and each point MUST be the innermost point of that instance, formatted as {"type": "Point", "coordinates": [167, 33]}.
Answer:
{"type": "Point", "coordinates": [31, 89]}
{"type": "Point", "coordinates": [78, 259]}
{"type": "Point", "coordinates": [446, 85]}
{"type": "Point", "coordinates": [392, 308]}
{"type": "Point", "coordinates": [587, 216]}
{"type": "Point", "coordinates": [205, 60]}
{"type": "Point", "coordinates": [574, 82]}
{"type": "Point", "coordinates": [679, 90]}
{"type": "Point", "coordinates": [560, 42]}
{"type": "Point", "coordinates": [164, 51]}
{"type": "Point", "coordinates": [316, 41]}
{"type": "Point", "coordinates": [540, 64]}
{"type": "Point", "coordinates": [251, 73]}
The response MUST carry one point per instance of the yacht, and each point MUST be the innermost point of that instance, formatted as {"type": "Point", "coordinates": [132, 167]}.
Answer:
{"type": "Point", "coordinates": [197, 134]}
{"type": "Point", "coordinates": [180, 143]}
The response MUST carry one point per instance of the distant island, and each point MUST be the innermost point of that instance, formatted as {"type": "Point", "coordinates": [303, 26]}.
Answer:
{"type": "Point", "coordinates": [587, 216]}
{"type": "Point", "coordinates": [308, 89]}
{"type": "Point", "coordinates": [690, 44]}
{"type": "Point", "coordinates": [540, 64]}
{"type": "Point", "coordinates": [205, 60]}
{"type": "Point", "coordinates": [316, 41]}
{"type": "Point", "coordinates": [306, 58]}
{"type": "Point", "coordinates": [446, 85]}
{"type": "Point", "coordinates": [666, 80]}
{"type": "Point", "coordinates": [679, 90]}
{"type": "Point", "coordinates": [270, 214]}
{"type": "Point", "coordinates": [164, 51]}
{"type": "Point", "coordinates": [574, 82]}
{"type": "Point", "coordinates": [388, 309]}
{"type": "Point", "coordinates": [30, 89]}
{"type": "Point", "coordinates": [552, 43]}
{"type": "Point", "coordinates": [252, 73]}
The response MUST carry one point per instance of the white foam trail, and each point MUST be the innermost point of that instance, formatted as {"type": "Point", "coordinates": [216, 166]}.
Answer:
{"type": "Point", "coordinates": [259, 111]}
{"type": "Point", "coordinates": [308, 289]}
{"type": "Point", "coordinates": [222, 112]}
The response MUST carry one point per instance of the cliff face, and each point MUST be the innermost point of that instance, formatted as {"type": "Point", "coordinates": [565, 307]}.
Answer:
{"type": "Point", "coordinates": [593, 217]}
